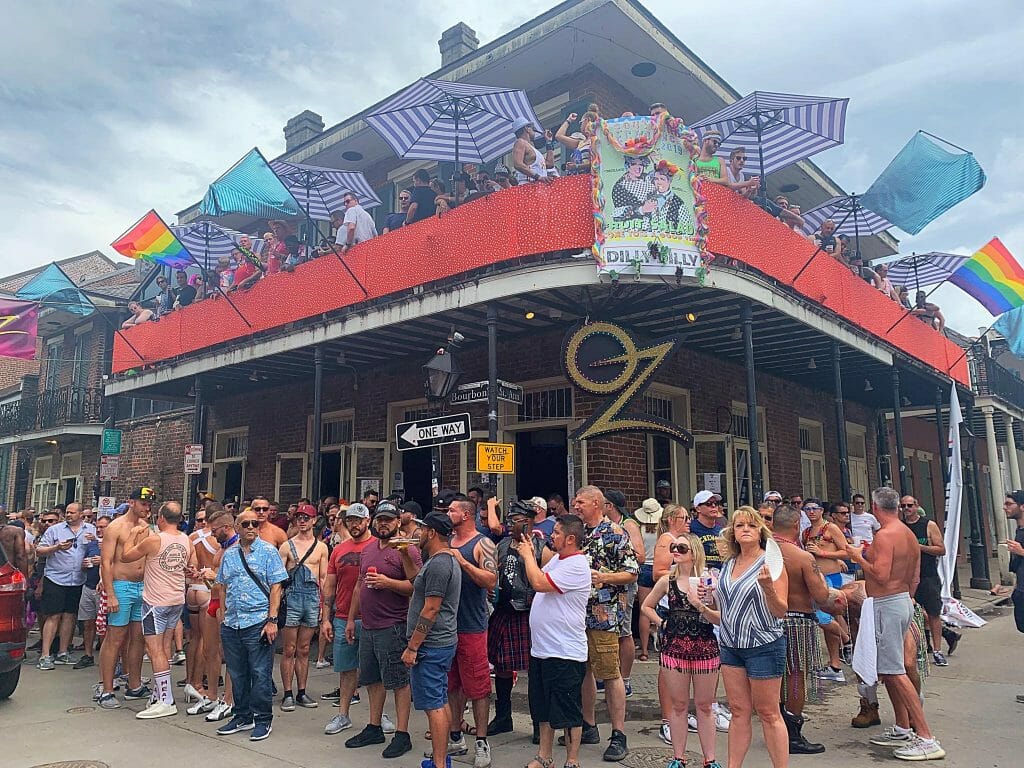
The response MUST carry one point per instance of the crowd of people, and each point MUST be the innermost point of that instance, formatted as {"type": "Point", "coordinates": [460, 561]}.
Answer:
{"type": "Point", "coordinates": [431, 605]}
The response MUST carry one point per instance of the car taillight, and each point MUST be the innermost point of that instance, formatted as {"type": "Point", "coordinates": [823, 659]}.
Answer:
{"type": "Point", "coordinates": [12, 582]}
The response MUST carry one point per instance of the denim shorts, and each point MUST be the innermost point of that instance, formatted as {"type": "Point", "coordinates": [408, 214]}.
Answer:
{"type": "Point", "coordinates": [762, 662]}
{"type": "Point", "coordinates": [646, 577]}
{"type": "Point", "coordinates": [302, 608]}
{"type": "Point", "coordinates": [346, 656]}
{"type": "Point", "coordinates": [429, 677]}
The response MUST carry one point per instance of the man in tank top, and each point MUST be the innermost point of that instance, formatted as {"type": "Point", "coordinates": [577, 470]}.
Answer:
{"type": "Point", "coordinates": [168, 554]}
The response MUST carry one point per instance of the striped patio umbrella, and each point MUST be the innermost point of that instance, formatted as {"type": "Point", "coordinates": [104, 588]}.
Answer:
{"type": "Point", "coordinates": [921, 269]}
{"type": "Point", "coordinates": [208, 241]}
{"type": "Point", "coordinates": [850, 216]}
{"type": "Point", "coordinates": [457, 122]}
{"type": "Point", "coordinates": [780, 128]}
{"type": "Point", "coordinates": [321, 190]}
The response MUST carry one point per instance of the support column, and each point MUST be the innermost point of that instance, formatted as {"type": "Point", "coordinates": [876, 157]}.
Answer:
{"type": "Point", "coordinates": [197, 439]}
{"type": "Point", "coordinates": [492, 374]}
{"type": "Point", "coordinates": [980, 578]}
{"type": "Point", "coordinates": [998, 493]}
{"type": "Point", "coordinates": [897, 423]}
{"type": "Point", "coordinates": [1011, 452]}
{"type": "Point", "coordinates": [844, 455]}
{"type": "Point", "coordinates": [882, 449]}
{"type": "Point", "coordinates": [756, 479]}
{"type": "Point", "coordinates": [942, 437]}
{"type": "Point", "coordinates": [318, 417]}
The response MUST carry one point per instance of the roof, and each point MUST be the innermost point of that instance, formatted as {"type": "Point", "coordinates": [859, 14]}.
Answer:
{"type": "Point", "coordinates": [78, 268]}
{"type": "Point", "coordinates": [118, 284]}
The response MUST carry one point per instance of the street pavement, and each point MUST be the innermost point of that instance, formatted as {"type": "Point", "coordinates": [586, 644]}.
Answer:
{"type": "Point", "coordinates": [970, 705]}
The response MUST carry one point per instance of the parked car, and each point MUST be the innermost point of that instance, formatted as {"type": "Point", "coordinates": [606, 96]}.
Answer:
{"type": "Point", "coordinates": [12, 623]}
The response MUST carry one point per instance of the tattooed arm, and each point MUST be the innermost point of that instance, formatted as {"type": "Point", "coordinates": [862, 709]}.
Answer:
{"type": "Point", "coordinates": [484, 572]}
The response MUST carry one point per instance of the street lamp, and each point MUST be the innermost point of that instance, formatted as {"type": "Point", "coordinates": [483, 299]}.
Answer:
{"type": "Point", "coordinates": [442, 372]}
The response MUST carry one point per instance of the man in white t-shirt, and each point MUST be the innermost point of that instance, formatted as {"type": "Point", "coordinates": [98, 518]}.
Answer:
{"type": "Point", "coordinates": [558, 654]}
{"type": "Point", "coordinates": [355, 225]}
{"type": "Point", "coordinates": [863, 524]}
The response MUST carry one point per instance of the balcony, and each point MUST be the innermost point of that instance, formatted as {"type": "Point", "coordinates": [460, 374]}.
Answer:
{"type": "Point", "coordinates": [990, 379]}
{"type": "Point", "coordinates": [50, 409]}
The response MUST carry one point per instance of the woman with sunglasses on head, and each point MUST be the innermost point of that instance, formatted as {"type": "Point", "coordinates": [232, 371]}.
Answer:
{"type": "Point", "coordinates": [689, 651]}
{"type": "Point", "coordinates": [751, 605]}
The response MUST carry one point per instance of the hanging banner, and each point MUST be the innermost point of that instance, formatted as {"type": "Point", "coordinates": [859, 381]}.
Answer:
{"type": "Point", "coordinates": [18, 328]}
{"type": "Point", "coordinates": [648, 211]}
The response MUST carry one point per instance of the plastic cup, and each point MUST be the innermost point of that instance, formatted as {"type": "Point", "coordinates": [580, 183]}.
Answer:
{"type": "Point", "coordinates": [857, 541]}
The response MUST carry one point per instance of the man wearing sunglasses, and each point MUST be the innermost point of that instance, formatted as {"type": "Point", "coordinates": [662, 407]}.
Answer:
{"type": "Point", "coordinates": [269, 532]}
{"type": "Point", "coordinates": [122, 583]}
{"type": "Point", "coordinates": [707, 525]}
{"type": "Point", "coordinates": [354, 224]}
{"type": "Point", "coordinates": [863, 524]}
{"type": "Point", "coordinates": [929, 589]}
{"type": "Point", "coordinates": [64, 547]}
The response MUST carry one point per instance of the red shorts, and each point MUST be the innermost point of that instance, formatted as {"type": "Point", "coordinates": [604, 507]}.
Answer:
{"type": "Point", "coordinates": [470, 672]}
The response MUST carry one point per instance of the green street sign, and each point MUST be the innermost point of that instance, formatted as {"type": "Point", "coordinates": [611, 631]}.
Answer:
{"type": "Point", "coordinates": [111, 442]}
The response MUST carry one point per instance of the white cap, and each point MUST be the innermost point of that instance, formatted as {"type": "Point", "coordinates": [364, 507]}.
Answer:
{"type": "Point", "coordinates": [703, 497]}
{"type": "Point", "coordinates": [539, 502]}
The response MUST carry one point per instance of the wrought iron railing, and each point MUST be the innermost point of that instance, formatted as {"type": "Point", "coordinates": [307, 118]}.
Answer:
{"type": "Point", "coordinates": [991, 379]}
{"type": "Point", "coordinates": [52, 408]}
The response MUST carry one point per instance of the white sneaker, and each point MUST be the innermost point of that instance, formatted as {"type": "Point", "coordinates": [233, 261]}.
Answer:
{"type": "Point", "coordinates": [834, 675]}
{"type": "Point", "coordinates": [157, 709]}
{"type": "Point", "coordinates": [220, 711]}
{"type": "Point", "coordinates": [201, 707]}
{"type": "Point", "coordinates": [893, 736]}
{"type": "Point", "coordinates": [665, 733]}
{"type": "Point", "coordinates": [691, 723]}
{"type": "Point", "coordinates": [483, 754]}
{"type": "Point", "coordinates": [721, 709]}
{"type": "Point", "coordinates": [386, 724]}
{"type": "Point", "coordinates": [920, 749]}
{"type": "Point", "coordinates": [721, 723]}
{"type": "Point", "coordinates": [323, 664]}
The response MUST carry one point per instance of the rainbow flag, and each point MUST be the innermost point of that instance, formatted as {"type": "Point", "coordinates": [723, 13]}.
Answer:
{"type": "Point", "coordinates": [993, 277]}
{"type": "Point", "coordinates": [150, 239]}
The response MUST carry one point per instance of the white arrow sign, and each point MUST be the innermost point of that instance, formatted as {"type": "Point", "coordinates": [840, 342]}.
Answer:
{"type": "Point", "coordinates": [423, 433]}
{"type": "Point", "coordinates": [415, 433]}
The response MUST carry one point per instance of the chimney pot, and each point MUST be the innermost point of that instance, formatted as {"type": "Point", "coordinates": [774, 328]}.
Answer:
{"type": "Point", "coordinates": [456, 42]}
{"type": "Point", "coordinates": [304, 126]}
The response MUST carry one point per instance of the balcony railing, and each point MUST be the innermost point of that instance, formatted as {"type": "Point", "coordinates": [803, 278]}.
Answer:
{"type": "Point", "coordinates": [991, 379]}
{"type": "Point", "coordinates": [53, 408]}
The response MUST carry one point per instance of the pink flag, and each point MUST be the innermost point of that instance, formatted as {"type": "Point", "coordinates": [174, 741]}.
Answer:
{"type": "Point", "coordinates": [18, 325]}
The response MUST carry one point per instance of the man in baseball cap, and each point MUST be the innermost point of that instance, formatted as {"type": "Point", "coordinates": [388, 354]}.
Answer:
{"type": "Point", "coordinates": [707, 525]}
{"type": "Point", "coordinates": [436, 521]}
{"type": "Point", "coordinates": [663, 492]}
{"type": "Point", "coordinates": [142, 494]}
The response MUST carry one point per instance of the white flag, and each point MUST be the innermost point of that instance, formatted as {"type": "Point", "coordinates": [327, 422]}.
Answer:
{"type": "Point", "coordinates": [954, 495]}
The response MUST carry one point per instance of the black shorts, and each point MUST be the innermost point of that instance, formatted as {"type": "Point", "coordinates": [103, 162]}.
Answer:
{"type": "Point", "coordinates": [60, 599]}
{"type": "Point", "coordinates": [556, 692]}
{"type": "Point", "coordinates": [1018, 609]}
{"type": "Point", "coordinates": [929, 595]}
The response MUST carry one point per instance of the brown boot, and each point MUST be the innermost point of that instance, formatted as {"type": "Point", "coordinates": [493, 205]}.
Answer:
{"type": "Point", "coordinates": [867, 716]}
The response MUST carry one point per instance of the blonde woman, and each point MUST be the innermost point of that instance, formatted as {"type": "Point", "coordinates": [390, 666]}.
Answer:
{"type": "Point", "coordinates": [751, 605]}
{"type": "Point", "coordinates": [689, 651]}
{"type": "Point", "coordinates": [675, 522]}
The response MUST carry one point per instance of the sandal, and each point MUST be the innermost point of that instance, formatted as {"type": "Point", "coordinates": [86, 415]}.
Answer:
{"type": "Point", "coordinates": [643, 657]}
{"type": "Point", "coordinates": [543, 762]}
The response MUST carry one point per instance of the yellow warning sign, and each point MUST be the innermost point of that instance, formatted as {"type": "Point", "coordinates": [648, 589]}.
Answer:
{"type": "Point", "coordinates": [495, 457]}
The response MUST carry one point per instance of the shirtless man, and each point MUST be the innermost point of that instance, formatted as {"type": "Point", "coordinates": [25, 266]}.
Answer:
{"type": "Point", "coordinates": [891, 572]}
{"type": "Point", "coordinates": [269, 532]}
{"type": "Point", "coordinates": [305, 560]}
{"type": "Point", "coordinates": [827, 543]}
{"type": "Point", "coordinates": [803, 657]}
{"type": "Point", "coordinates": [122, 583]}
{"type": "Point", "coordinates": [204, 650]}
{"type": "Point", "coordinates": [12, 539]}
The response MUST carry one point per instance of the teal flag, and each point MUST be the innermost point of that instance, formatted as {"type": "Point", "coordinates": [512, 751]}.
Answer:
{"type": "Point", "coordinates": [53, 289]}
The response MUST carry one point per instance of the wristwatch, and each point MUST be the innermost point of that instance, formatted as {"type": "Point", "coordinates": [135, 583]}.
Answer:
{"type": "Point", "coordinates": [271, 619]}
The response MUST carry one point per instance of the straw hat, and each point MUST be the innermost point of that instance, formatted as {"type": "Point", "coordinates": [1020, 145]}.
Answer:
{"type": "Point", "coordinates": [649, 513]}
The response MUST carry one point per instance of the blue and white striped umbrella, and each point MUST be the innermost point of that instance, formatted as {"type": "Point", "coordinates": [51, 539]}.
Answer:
{"type": "Point", "coordinates": [849, 214]}
{"type": "Point", "coordinates": [778, 129]}
{"type": "Point", "coordinates": [922, 269]}
{"type": "Point", "coordinates": [321, 190]}
{"type": "Point", "coordinates": [208, 241]}
{"type": "Point", "coordinates": [460, 122]}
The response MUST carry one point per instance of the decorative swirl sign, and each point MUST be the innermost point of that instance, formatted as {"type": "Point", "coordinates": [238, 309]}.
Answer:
{"type": "Point", "coordinates": [603, 359]}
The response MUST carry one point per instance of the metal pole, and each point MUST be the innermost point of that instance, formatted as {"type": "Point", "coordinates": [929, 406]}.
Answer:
{"type": "Point", "coordinates": [882, 447]}
{"type": "Point", "coordinates": [980, 577]}
{"type": "Point", "coordinates": [197, 439]}
{"type": "Point", "coordinates": [844, 455]}
{"type": "Point", "coordinates": [756, 479]}
{"type": "Point", "coordinates": [997, 491]}
{"type": "Point", "coordinates": [318, 416]}
{"type": "Point", "coordinates": [492, 373]}
{"type": "Point", "coordinates": [856, 228]}
{"type": "Point", "coordinates": [760, 156]}
{"type": "Point", "coordinates": [897, 422]}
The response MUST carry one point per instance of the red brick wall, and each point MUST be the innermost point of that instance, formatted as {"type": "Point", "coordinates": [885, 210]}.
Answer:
{"type": "Point", "coordinates": [152, 454]}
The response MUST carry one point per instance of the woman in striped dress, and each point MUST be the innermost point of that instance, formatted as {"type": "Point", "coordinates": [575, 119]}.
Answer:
{"type": "Point", "coordinates": [751, 605]}
{"type": "Point", "coordinates": [689, 652]}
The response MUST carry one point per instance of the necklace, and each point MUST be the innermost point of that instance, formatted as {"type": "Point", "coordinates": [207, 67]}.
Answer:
{"type": "Point", "coordinates": [784, 539]}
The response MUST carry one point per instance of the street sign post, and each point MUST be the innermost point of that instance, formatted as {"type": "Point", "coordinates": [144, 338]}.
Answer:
{"type": "Point", "coordinates": [110, 443]}
{"type": "Point", "coordinates": [106, 504]}
{"type": "Point", "coordinates": [476, 392]}
{"type": "Point", "coordinates": [110, 467]}
{"type": "Point", "coordinates": [193, 459]}
{"type": "Point", "coordinates": [426, 433]}
{"type": "Point", "coordinates": [496, 457]}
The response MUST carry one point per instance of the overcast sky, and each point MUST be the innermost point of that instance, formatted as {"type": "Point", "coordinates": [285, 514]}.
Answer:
{"type": "Point", "coordinates": [110, 108]}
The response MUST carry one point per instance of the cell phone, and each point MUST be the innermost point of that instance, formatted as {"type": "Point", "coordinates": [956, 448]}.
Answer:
{"type": "Point", "coordinates": [264, 640]}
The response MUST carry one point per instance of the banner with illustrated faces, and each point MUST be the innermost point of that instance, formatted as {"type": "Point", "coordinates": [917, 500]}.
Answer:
{"type": "Point", "coordinates": [648, 210]}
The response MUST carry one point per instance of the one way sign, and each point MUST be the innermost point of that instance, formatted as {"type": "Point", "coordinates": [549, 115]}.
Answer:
{"type": "Point", "coordinates": [424, 433]}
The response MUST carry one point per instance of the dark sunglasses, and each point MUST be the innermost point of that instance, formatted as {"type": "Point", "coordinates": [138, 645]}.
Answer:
{"type": "Point", "coordinates": [301, 518]}
{"type": "Point", "coordinates": [260, 509]}
{"type": "Point", "coordinates": [711, 504]}
{"type": "Point", "coordinates": [767, 518]}
{"type": "Point", "coordinates": [200, 519]}
{"type": "Point", "coordinates": [907, 506]}
{"type": "Point", "coordinates": [249, 524]}
{"type": "Point", "coordinates": [680, 549]}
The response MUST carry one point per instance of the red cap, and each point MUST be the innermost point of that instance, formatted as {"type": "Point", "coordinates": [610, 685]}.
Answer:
{"type": "Point", "coordinates": [305, 509]}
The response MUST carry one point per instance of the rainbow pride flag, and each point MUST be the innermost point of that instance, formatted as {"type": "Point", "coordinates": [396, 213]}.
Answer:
{"type": "Point", "coordinates": [993, 277]}
{"type": "Point", "coordinates": [150, 239]}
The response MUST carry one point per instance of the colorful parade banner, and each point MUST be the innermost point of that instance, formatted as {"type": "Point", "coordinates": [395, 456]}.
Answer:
{"type": "Point", "coordinates": [648, 210]}
{"type": "Point", "coordinates": [18, 329]}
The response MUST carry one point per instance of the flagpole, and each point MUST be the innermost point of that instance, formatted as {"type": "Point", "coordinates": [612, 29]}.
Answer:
{"type": "Point", "coordinates": [113, 327]}
{"type": "Point", "coordinates": [202, 271]}
{"type": "Point", "coordinates": [309, 220]}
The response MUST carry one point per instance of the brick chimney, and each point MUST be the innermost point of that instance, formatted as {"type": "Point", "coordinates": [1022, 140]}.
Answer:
{"type": "Point", "coordinates": [301, 128]}
{"type": "Point", "coordinates": [456, 42]}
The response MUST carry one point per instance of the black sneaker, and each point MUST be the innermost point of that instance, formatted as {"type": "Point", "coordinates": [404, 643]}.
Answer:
{"type": "Point", "coordinates": [617, 749]}
{"type": "Point", "coordinates": [334, 695]}
{"type": "Point", "coordinates": [371, 734]}
{"type": "Point", "coordinates": [952, 639]}
{"type": "Point", "coordinates": [590, 735]}
{"type": "Point", "coordinates": [82, 663]}
{"type": "Point", "coordinates": [136, 694]}
{"type": "Point", "coordinates": [399, 745]}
